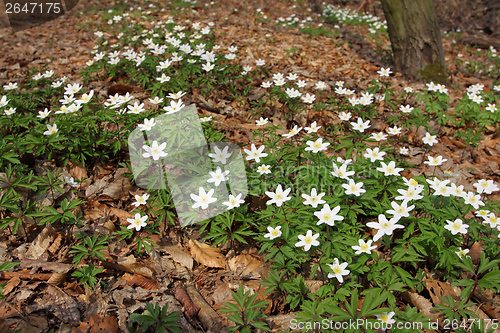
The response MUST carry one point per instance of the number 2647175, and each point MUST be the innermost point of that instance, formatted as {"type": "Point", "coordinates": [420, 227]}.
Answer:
{"type": "Point", "coordinates": [33, 8]}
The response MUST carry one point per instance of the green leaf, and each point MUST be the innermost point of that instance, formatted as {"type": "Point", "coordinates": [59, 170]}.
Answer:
{"type": "Point", "coordinates": [353, 305]}
{"type": "Point", "coordinates": [492, 277]}
{"type": "Point", "coordinates": [8, 266]}
{"type": "Point", "coordinates": [11, 157]}
{"type": "Point", "coordinates": [373, 299]}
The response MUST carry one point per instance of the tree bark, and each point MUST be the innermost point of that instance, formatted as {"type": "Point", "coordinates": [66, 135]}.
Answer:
{"type": "Point", "coordinates": [315, 6]}
{"type": "Point", "coordinates": [416, 39]}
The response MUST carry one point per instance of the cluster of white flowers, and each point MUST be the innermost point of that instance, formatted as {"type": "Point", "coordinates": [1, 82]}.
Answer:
{"type": "Point", "coordinates": [3, 102]}
{"type": "Point", "coordinates": [69, 104]}
{"type": "Point", "coordinates": [436, 87]}
{"type": "Point", "coordinates": [279, 80]}
{"type": "Point", "coordinates": [474, 93]}
{"type": "Point", "coordinates": [470, 198]}
{"type": "Point", "coordinates": [116, 101]}
{"type": "Point", "coordinates": [195, 52]}
{"type": "Point", "coordinates": [345, 15]}
{"type": "Point", "coordinates": [293, 19]}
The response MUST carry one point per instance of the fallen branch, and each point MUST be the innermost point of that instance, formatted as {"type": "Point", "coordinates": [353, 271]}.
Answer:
{"type": "Point", "coordinates": [362, 6]}
{"type": "Point", "coordinates": [25, 275]}
{"type": "Point", "coordinates": [210, 319]}
{"type": "Point", "coordinates": [482, 42]}
{"type": "Point", "coordinates": [206, 105]}
{"type": "Point", "coordinates": [490, 303]}
{"type": "Point", "coordinates": [190, 308]}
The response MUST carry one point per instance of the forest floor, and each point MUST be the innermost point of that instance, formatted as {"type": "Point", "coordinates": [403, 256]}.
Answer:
{"type": "Point", "coordinates": [42, 296]}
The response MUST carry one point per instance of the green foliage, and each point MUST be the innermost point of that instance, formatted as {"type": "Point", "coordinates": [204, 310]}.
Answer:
{"type": "Point", "coordinates": [320, 31]}
{"type": "Point", "coordinates": [224, 229]}
{"type": "Point", "coordinates": [87, 274]}
{"type": "Point", "coordinates": [155, 319]}
{"type": "Point", "coordinates": [352, 284]}
{"type": "Point", "coordinates": [89, 249]}
{"type": "Point", "coordinates": [66, 216]}
{"type": "Point", "coordinates": [246, 312]}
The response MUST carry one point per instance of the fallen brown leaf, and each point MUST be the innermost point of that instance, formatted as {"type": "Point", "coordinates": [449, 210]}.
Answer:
{"type": "Point", "coordinates": [491, 141]}
{"type": "Point", "coordinates": [98, 186]}
{"type": "Point", "coordinates": [120, 213]}
{"type": "Point", "coordinates": [207, 255]}
{"type": "Point", "coordinates": [179, 256]}
{"type": "Point", "coordinates": [140, 281]}
{"type": "Point", "coordinates": [41, 243]}
{"type": "Point", "coordinates": [475, 253]}
{"type": "Point", "coordinates": [439, 289]}
{"type": "Point", "coordinates": [56, 244]}
{"type": "Point", "coordinates": [246, 265]}
{"type": "Point", "coordinates": [222, 294]}
{"type": "Point", "coordinates": [77, 170]}
{"type": "Point", "coordinates": [108, 324]}
{"type": "Point", "coordinates": [61, 305]}
{"type": "Point", "coordinates": [131, 265]}
{"type": "Point", "coordinates": [119, 187]}
{"type": "Point", "coordinates": [423, 304]}
{"type": "Point", "coordinates": [57, 279]}
{"type": "Point", "coordinates": [122, 89]}
{"type": "Point", "coordinates": [57, 267]}
{"type": "Point", "coordinates": [14, 282]}
{"type": "Point", "coordinates": [30, 324]}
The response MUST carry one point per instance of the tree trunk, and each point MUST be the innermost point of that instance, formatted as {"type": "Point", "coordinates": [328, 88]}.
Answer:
{"type": "Point", "coordinates": [416, 39]}
{"type": "Point", "coordinates": [315, 6]}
